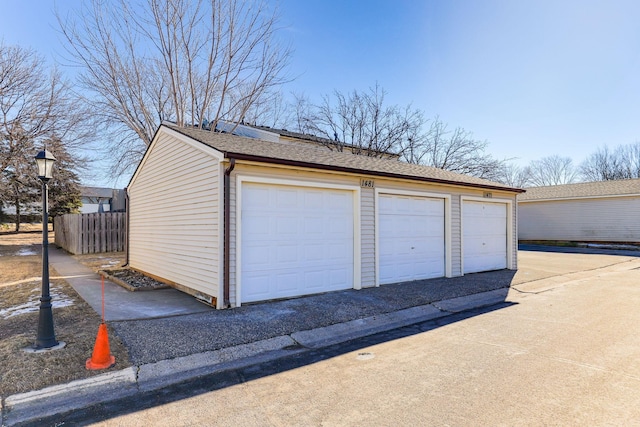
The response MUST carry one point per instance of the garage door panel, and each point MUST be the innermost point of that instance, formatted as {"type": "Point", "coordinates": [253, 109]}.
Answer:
{"type": "Point", "coordinates": [306, 234]}
{"type": "Point", "coordinates": [257, 254]}
{"type": "Point", "coordinates": [411, 238]}
{"type": "Point", "coordinates": [255, 228]}
{"type": "Point", "coordinates": [313, 200]}
{"type": "Point", "coordinates": [484, 236]}
{"type": "Point", "coordinates": [286, 253]}
{"type": "Point", "coordinates": [314, 252]}
{"type": "Point", "coordinates": [288, 283]}
{"type": "Point", "coordinates": [256, 198]}
{"type": "Point", "coordinates": [253, 284]}
{"type": "Point", "coordinates": [286, 198]}
{"type": "Point", "coordinates": [286, 225]}
{"type": "Point", "coordinates": [313, 225]}
{"type": "Point", "coordinates": [337, 201]}
{"type": "Point", "coordinates": [314, 280]}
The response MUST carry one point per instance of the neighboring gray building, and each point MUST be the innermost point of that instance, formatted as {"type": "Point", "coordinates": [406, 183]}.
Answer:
{"type": "Point", "coordinates": [98, 199]}
{"type": "Point", "coordinates": [245, 220]}
{"type": "Point", "coordinates": [605, 211]}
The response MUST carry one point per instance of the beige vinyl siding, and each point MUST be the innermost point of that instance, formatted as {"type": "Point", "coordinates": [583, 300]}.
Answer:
{"type": "Point", "coordinates": [174, 215]}
{"type": "Point", "coordinates": [368, 236]}
{"type": "Point", "coordinates": [232, 239]}
{"type": "Point", "coordinates": [611, 219]}
{"type": "Point", "coordinates": [456, 236]}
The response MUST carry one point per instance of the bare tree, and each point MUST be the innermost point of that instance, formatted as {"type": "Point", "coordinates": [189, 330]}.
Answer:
{"type": "Point", "coordinates": [301, 115]}
{"type": "Point", "coordinates": [270, 111]}
{"type": "Point", "coordinates": [552, 170]}
{"type": "Point", "coordinates": [513, 175]}
{"type": "Point", "coordinates": [186, 61]}
{"type": "Point", "coordinates": [359, 120]}
{"type": "Point", "coordinates": [36, 107]}
{"type": "Point", "coordinates": [606, 164]}
{"type": "Point", "coordinates": [457, 151]}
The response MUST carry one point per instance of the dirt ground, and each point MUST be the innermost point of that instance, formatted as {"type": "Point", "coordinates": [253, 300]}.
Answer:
{"type": "Point", "coordinates": [76, 323]}
{"type": "Point", "coordinates": [103, 261]}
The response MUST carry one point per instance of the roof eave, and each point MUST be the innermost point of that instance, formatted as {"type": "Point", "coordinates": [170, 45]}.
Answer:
{"type": "Point", "coordinates": [285, 162]}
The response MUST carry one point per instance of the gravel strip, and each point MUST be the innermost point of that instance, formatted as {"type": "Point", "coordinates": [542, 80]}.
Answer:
{"type": "Point", "coordinates": [147, 340]}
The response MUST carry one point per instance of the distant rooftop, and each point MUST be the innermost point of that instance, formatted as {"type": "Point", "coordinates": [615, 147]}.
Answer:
{"type": "Point", "coordinates": [625, 187]}
{"type": "Point", "coordinates": [96, 192]}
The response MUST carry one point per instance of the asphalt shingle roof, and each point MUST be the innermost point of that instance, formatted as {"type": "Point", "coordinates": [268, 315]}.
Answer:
{"type": "Point", "coordinates": [583, 189]}
{"type": "Point", "coordinates": [323, 158]}
{"type": "Point", "coordinates": [96, 192]}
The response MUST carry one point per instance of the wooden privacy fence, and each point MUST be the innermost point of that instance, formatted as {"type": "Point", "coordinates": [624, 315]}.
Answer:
{"type": "Point", "coordinates": [91, 233]}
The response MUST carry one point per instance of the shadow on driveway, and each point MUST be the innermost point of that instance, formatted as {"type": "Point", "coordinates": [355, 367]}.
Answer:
{"type": "Point", "coordinates": [228, 378]}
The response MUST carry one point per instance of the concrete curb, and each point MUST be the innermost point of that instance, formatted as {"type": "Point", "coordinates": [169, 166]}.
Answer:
{"type": "Point", "coordinates": [341, 332]}
{"type": "Point", "coordinates": [48, 401]}
{"type": "Point", "coordinates": [30, 406]}
{"type": "Point", "coordinates": [484, 299]}
{"type": "Point", "coordinates": [153, 376]}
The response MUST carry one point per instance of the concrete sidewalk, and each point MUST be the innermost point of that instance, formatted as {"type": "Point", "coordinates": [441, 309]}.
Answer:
{"type": "Point", "coordinates": [121, 304]}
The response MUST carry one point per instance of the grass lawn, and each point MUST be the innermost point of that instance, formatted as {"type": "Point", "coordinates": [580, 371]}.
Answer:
{"type": "Point", "coordinates": [76, 323]}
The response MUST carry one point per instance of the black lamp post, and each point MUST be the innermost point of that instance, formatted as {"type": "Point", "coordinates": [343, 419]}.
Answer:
{"type": "Point", "coordinates": [46, 339]}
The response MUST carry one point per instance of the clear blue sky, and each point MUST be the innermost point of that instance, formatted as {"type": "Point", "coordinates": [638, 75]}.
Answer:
{"type": "Point", "coordinates": [532, 77]}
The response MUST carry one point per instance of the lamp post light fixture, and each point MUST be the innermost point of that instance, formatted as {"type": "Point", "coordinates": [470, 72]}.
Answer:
{"type": "Point", "coordinates": [46, 339]}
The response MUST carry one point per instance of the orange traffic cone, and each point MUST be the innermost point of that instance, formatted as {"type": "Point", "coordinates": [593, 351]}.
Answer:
{"type": "Point", "coordinates": [102, 357]}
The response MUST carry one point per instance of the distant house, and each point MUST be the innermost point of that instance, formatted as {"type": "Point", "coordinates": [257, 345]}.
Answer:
{"type": "Point", "coordinates": [98, 199]}
{"type": "Point", "coordinates": [34, 208]}
{"type": "Point", "coordinates": [606, 211]}
{"type": "Point", "coordinates": [94, 199]}
{"type": "Point", "coordinates": [246, 219]}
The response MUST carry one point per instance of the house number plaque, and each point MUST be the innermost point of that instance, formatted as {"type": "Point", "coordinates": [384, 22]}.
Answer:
{"type": "Point", "coordinates": [367, 183]}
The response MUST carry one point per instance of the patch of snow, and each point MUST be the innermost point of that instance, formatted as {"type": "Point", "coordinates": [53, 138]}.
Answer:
{"type": "Point", "coordinates": [26, 251]}
{"type": "Point", "coordinates": [110, 263]}
{"type": "Point", "coordinates": [58, 300]}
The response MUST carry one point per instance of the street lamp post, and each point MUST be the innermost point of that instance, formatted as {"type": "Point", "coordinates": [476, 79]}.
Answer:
{"type": "Point", "coordinates": [46, 339]}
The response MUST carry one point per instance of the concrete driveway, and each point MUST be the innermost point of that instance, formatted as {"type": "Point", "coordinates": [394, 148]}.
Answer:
{"type": "Point", "coordinates": [565, 352]}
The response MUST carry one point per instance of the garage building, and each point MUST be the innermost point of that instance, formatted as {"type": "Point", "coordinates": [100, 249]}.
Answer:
{"type": "Point", "coordinates": [604, 211]}
{"type": "Point", "coordinates": [234, 220]}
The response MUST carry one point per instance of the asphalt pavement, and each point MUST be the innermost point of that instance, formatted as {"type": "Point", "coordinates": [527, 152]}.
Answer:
{"type": "Point", "coordinates": [176, 338]}
{"type": "Point", "coordinates": [565, 352]}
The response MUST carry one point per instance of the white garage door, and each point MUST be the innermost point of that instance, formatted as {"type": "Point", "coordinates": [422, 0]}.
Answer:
{"type": "Point", "coordinates": [484, 236]}
{"type": "Point", "coordinates": [411, 238]}
{"type": "Point", "coordinates": [295, 241]}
